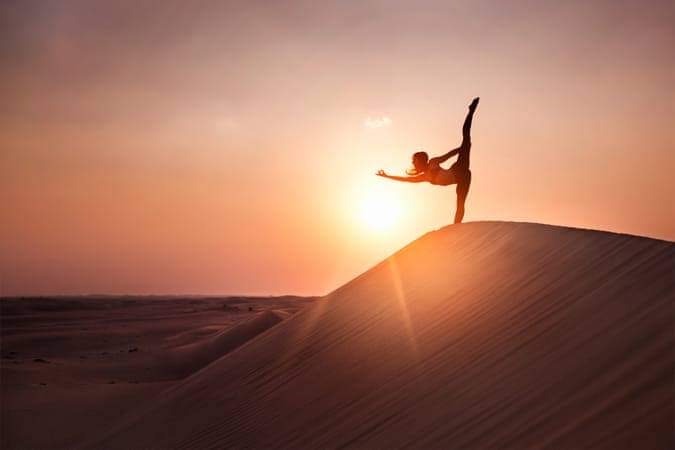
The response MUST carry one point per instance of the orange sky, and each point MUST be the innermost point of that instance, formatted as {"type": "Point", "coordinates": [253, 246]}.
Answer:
{"type": "Point", "coordinates": [156, 147]}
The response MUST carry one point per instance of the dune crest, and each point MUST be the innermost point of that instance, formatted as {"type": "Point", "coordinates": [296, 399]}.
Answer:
{"type": "Point", "coordinates": [479, 335]}
{"type": "Point", "coordinates": [190, 358]}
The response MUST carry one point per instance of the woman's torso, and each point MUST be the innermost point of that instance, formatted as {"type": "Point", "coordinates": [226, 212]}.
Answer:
{"type": "Point", "coordinates": [458, 172]}
{"type": "Point", "coordinates": [440, 176]}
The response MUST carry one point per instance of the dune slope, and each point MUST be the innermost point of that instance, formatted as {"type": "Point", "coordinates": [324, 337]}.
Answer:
{"type": "Point", "coordinates": [480, 335]}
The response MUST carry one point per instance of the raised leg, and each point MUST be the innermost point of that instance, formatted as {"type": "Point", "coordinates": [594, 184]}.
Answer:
{"type": "Point", "coordinates": [466, 128]}
{"type": "Point", "coordinates": [465, 149]}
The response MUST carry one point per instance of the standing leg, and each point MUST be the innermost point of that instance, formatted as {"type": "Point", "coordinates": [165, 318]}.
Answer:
{"type": "Point", "coordinates": [462, 192]}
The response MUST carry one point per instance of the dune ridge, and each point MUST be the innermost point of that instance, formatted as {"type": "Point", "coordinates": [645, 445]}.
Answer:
{"type": "Point", "coordinates": [478, 335]}
{"type": "Point", "coordinates": [187, 359]}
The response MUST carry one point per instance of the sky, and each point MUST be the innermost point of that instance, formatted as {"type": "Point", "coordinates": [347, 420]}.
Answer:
{"type": "Point", "coordinates": [211, 147]}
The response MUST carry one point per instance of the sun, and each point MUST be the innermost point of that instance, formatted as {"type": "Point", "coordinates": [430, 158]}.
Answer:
{"type": "Point", "coordinates": [379, 210]}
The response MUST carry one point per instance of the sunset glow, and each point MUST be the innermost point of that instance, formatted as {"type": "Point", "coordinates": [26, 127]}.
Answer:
{"type": "Point", "coordinates": [380, 210]}
{"type": "Point", "coordinates": [337, 224]}
{"type": "Point", "coordinates": [231, 147]}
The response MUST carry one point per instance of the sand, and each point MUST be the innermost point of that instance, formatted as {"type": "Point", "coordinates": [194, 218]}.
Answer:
{"type": "Point", "coordinates": [72, 367]}
{"type": "Point", "coordinates": [480, 335]}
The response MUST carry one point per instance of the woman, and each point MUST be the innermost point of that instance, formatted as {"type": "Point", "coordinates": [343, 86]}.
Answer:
{"type": "Point", "coordinates": [430, 170]}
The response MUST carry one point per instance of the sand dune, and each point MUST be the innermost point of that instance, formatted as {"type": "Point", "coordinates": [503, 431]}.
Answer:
{"type": "Point", "coordinates": [481, 335]}
{"type": "Point", "coordinates": [72, 367]}
{"type": "Point", "coordinates": [189, 358]}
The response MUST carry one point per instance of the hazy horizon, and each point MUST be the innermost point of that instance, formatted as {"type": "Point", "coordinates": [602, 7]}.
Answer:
{"type": "Point", "coordinates": [229, 148]}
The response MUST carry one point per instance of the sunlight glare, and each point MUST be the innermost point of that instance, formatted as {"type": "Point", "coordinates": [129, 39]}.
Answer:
{"type": "Point", "coordinates": [379, 210]}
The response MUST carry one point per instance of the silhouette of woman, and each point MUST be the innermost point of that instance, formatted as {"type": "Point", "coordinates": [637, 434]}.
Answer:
{"type": "Point", "coordinates": [425, 169]}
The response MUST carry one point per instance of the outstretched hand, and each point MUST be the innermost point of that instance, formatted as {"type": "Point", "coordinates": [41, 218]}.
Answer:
{"type": "Point", "coordinates": [381, 173]}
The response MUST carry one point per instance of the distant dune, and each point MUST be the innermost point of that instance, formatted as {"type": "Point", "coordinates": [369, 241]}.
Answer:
{"type": "Point", "coordinates": [70, 367]}
{"type": "Point", "coordinates": [189, 358]}
{"type": "Point", "coordinates": [480, 335]}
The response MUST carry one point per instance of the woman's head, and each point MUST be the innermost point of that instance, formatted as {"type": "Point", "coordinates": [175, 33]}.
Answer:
{"type": "Point", "coordinates": [420, 160]}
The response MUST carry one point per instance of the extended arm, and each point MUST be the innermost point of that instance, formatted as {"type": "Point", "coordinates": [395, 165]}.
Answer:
{"type": "Point", "coordinates": [413, 179]}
